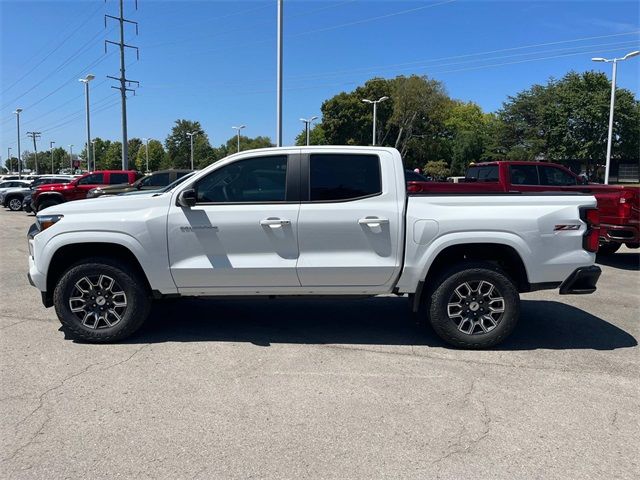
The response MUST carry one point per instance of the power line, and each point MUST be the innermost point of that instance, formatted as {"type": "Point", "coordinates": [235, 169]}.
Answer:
{"type": "Point", "coordinates": [48, 55]}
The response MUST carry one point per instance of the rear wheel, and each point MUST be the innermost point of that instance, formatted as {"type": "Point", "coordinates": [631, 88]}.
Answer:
{"type": "Point", "coordinates": [101, 300]}
{"type": "Point", "coordinates": [608, 248]}
{"type": "Point", "coordinates": [14, 204]}
{"type": "Point", "coordinates": [475, 305]}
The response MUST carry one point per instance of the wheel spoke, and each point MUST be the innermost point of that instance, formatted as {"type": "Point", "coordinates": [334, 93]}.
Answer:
{"type": "Point", "coordinates": [476, 307]}
{"type": "Point", "coordinates": [98, 301]}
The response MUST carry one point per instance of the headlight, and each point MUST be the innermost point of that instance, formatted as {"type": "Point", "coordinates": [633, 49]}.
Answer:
{"type": "Point", "coordinates": [45, 221]}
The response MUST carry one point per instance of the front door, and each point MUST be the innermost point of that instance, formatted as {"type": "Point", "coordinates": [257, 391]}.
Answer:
{"type": "Point", "coordinates": [242, 232]}
{"type": "Point", "coordinates": [86, 183]}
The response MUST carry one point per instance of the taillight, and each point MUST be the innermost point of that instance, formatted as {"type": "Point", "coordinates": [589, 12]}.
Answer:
{"type": "Point", "coordinates": [625, 204]}
{"type": "Point", "coordinates": [413, 187]}
{"type": "Point", "coordinates": [591, 238]}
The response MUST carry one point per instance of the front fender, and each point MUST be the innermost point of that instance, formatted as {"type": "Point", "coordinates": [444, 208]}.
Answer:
{"type": "Point", "coordinates": [154, 263]}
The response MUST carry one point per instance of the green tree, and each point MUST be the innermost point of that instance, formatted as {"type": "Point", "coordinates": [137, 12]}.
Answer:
{"type": "Point", "coordinates": [156, 157]}
{"type": "Point", "coordinates": [568, 119]}
{"type": "Point", "coordinates": [316, 136]}
{"type": "Point", "coordinates": [437, 169]}
{"type": "Point", "coordinates": [178, 146]}
{"type": "Point", "coordinates": [112, 159]}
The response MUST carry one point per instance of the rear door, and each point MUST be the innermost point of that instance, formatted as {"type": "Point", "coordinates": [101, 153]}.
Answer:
{"type": "Point", "coordinates": [349, 220]}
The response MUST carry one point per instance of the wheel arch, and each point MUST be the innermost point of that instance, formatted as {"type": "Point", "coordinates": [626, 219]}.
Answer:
{"type": "Point", "coordinates": [71, 254]}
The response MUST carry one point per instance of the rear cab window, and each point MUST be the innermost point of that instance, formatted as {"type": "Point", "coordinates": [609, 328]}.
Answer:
{"type": "Point", "coordinates": [487, 173]}
{"type": "Point", "coordinates": [340, 177]}
{"type": "Point", "coordinates": [524, 175]}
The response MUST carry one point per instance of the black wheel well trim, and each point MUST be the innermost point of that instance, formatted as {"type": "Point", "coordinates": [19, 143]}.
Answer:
{"type": "Point", "coordinates": [503, 255]}
{"type": "Point", "coordinates": [48, 195]}
{"type": "Point", "coordinates": [73, 253]}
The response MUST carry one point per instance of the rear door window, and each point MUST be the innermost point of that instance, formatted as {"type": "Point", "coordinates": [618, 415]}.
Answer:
{"type": "Point", "coordinates": [158, 180]}
{"type": "Point", "coordinates": [556, 177]}
{"type": "Point", "coordinates": [118, 178]}
{"type": "Point", "coordinates": [334, 177]}
{"type": "Point", "coordinates": [524, 175]}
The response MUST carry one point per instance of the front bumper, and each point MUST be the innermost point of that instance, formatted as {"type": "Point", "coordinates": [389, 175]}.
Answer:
{"type": "Point", "coordinates": [582, 281]}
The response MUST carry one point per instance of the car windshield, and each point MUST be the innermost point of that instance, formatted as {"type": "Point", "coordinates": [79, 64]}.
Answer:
{"type": "Point", "coordinates": [175, 183]}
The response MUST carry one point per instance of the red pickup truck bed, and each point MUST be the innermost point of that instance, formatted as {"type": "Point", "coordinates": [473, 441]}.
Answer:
{"type": "Point", "coordinates": [619, 205]}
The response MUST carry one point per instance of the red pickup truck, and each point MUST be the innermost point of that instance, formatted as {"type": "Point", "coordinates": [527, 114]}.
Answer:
{"type": "Point", "coordinates": [56, 193]}
{"type": "Point", "coordinates": [619, 205]}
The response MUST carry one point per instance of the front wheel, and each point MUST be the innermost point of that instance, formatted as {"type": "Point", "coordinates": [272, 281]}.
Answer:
{"type": "Point", "coordinates": [475, 305]}
{"type": "Point", "coordinates": [101, 300]}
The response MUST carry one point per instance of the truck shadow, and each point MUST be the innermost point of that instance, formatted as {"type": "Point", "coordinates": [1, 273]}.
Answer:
{"type": "Point", "coordinates": [381, 321]}
{"type": "Point", "coordinates": [622, 260]}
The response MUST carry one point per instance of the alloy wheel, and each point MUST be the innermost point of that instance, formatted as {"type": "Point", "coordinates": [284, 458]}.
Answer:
{"type": "Point", "coordinates": [98, 301]}
{"type": "Point", "coordinates": [476, 307]}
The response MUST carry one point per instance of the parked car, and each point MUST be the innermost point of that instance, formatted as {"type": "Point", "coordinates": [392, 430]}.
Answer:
{"type": "Point", "coordinates": [14, 197]}
{"type": "Point", "coordinates": [312, 221]}
{"type": "Point", "coordinates": [160, 190]}
{"type": "Point", "coordinates": [10, 184]}
{"type": "Point", "coordinates": [48, 195]}
{"type": "Point", "coordinates": [153, 181]}
{"type": "Point", "coordinates": [619, 205]}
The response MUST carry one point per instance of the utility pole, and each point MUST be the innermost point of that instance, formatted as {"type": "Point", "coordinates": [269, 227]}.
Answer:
{"type": "Point", "coordinates": [279, 78]}
{"type": "Point", "coordinates": [17, 113]}
{"type": "Point", "coordinates": [34, 136]}
{"type": "Point", "coordinates": [71, 158]}
{"type": "Point", "coordinates": [238, 129]}
{"type": "Point", "coordinates": [307, 126]}
{"type": "Point", "coordinates": [124, 82]}
{"type": "Point", "coordinates": [51, 151]}
{"type": "Point", "coordinates": [191, 135]}
{"type": "Point", "coordinates": [375, 113]}
{"type": "Point", "coordinates": [93, 153]}
{"type": "Point", "coordinates": [10, 161]}
{"type": "Point", "coordinates": [146, 152]}
{"type": "Point", "coordinates": [86, 81]}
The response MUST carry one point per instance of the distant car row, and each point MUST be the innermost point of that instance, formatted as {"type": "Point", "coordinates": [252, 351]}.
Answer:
{"type": "Point", "coordinates": [35, 194]}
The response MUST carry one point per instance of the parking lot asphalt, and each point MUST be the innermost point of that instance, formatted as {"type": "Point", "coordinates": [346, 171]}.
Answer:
{"type": "Point", "coordinates": [320, 389]}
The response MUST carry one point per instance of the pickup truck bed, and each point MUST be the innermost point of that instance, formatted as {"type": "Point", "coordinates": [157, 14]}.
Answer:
{"type": "Point", "coordinates": [312, 221]}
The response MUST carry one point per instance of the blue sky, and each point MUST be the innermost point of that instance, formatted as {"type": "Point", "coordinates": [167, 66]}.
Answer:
{"type": "Point", "coordinates": [214, 61]}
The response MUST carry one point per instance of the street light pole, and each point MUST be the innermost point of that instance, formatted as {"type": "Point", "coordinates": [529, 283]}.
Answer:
{"type": "Point", "coordinates": [375, 113]}
{"type": "Point", "coordinates": [238, 132]}
{"type": "Point", "coordinates": [146, 152]}
{"type": "Point", "coordinates": [307, 127]}
{"type": "Point", "coordinates": [71, 158]}
{"type": "Point", "coordinates": [51, 153]}
{"type": "Point", "coordinates": [612, 106]}
{"type": "Point", "coordinates": [17, 113]}
{"type": "Point", "coordinates": [279, 77]}
{"type": "Point", "coordinates": [9, 157]}
{"type": "Point", "coordinates": [93, 153]}
{"type": "Point", "coordinates": [86, 81]}
{"type": "Point", "coordinates": [191, 135]}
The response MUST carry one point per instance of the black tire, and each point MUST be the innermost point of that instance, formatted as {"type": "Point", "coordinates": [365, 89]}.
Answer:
{"type": "Point", "coordinates": [608, 248]}
{"type": "Point", "coordinates": [492, 327]}
{"type": "Point", "coordinates": [47, 203]}
{"type": "Point", "coordinates": [100, 330]}
{"type": "Point", "coordinates": [14, 203]}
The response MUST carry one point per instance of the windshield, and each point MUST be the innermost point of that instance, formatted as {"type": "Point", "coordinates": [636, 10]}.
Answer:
{"type": "Point", "coordinates": [176, 182]}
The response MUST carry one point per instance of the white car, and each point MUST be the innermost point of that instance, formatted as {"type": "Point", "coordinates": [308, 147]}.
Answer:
{"type": "Point", "coordinates": [8, 184]}
{"type": "Point", "coordinates": [312, 221]}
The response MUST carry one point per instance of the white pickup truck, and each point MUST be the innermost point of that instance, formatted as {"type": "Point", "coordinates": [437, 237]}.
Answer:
{"type": "Point", "coordinates": [312, 221]}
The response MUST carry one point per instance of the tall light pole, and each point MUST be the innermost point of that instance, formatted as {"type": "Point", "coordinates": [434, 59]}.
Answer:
{"type": "Point", "coordinates": [146, 151]}
{"type": "Point", "coordinates": [375, 113]}
{"type": "Point", "coordinates": [51, 153]}
{"type": "Point", "coordinates": [307, 126]}
{"type": "Point", "coordinates": [86, 81]}
{"type": "Point", "coordinates": [613, 101]}
{"type": "Point", "coordinates": [191, 135]}
{"type": "Point", "coordinates": [93, 153]}
{"type": "Point", "coordinates": [9, 157]}
{"type": "Point", "coordinates": [279, 78]}
{"type": "Point", "coordinates": [238, 129]}
{"type": "Point", "coordinates": [17, 113]}
{"type": "Point", "coordinates": [71, 158]}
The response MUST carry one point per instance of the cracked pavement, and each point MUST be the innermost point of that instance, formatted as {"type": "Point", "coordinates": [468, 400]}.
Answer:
{"type": "Point", "coordinates": [310, 389]}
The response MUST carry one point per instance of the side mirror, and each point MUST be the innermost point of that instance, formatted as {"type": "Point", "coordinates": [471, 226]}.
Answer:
{"type": "Point", "coordinates": [187, 198]}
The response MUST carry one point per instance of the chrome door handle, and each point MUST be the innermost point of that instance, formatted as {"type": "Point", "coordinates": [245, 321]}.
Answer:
{"type": "Point", "coordinates": [274, 222]}
{"type": "Point", "coordinates": [373, 221]}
